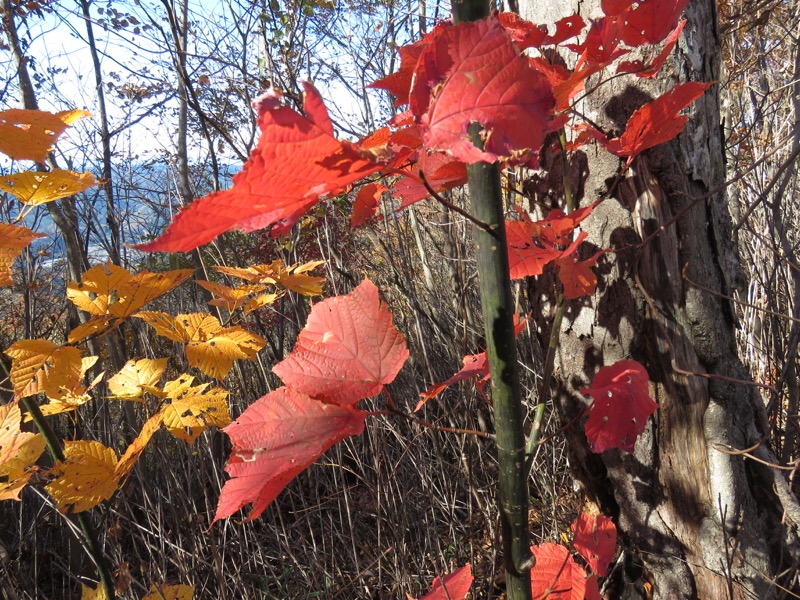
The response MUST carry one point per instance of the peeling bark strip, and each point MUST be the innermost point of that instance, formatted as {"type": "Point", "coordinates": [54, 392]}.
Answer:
{"type": "Point", "coordinates": [697, 520]}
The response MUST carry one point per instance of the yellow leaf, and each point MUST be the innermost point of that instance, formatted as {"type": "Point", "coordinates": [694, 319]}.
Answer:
{"type": "Point", "coordinates": [193, 410]}
{"type": "Point", "coordinates": [108, 291]}
{"type": "Point", "coordinates": [67, 403]}
{"type": "Point", "coordinates": [97, 593]}
{"type": "Point", "coordinates": [261, 301]}
{"type": "Point", "coordinates": [94, 326]}
{"type": "Point", "coordinates": [209, 347]}
{"type": "Point", "coordinates": [291, 278]}
{"type": "Point", "coordinates": [131, 455]}
{"type": "Point", "coordinates": [39, 187]}
{"type": "Point", "coordinates": [42, 366]}
{"type": "Point", "coordinates": [86, 478]}
{"type": "Point", "coordinates": [19, 451]}
{"type": "Point", "coordinates": [214, 355]}
{"type": "Point", "coordinates": [166, 325]}
{"type": "Point", "coordinates": [12, 241]}
{"type": "Point", "coordinates": [170, 592]}
{"type": "Point", "coordinates": [31, 134]}
{"type": "Point", "coordinates": [136, 376]}
{"type": "Point", "coordinates": [230, 298]}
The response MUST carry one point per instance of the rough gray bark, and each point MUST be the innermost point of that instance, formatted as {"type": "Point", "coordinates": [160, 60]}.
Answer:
{"type": "Point", "coordinates": [696, 519]}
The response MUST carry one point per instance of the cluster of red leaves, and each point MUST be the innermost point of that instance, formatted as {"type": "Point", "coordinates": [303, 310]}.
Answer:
{"type": "Point", "coordinates": [348, 350]}
{"type": "Point", "coordinates": [556, 574]}
{"type": "Point", "coordinates": [534, 244]}
{"type": "Point", "coordinates": [471, 95]}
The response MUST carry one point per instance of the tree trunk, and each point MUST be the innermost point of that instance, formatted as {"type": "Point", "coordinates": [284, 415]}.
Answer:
{"type": "Point", "coordinates": [697, 519]}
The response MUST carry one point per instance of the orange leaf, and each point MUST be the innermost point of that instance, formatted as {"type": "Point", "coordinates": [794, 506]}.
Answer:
{"type": "Point", "coordinates": [12, 240]}
{"type": "Point", "coordinates": [33, 187]}
{"type": "Point", "coordinates": [136, 377]}
{"type": "Point", "coordinates": [31, 134]}
{"type": "Point", "coordinates": [230, 298]}
{"type": "Point", "coordinates": [137, 446]}
{"type": "Point", "coordinates": [42, 366]}
{"type": "Point", "coordinates": [209, 347]}
{"type": "Point", "coordinates": [19, 451]}
{"type": "Point", "coordinates": [170, 592]}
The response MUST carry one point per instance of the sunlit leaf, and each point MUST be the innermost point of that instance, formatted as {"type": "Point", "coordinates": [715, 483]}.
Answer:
{"type": "Point", "coordinates": [193, 408]}
{"type": "Point", "coordinates": [86, 478]}
{"type": "Point", "coordinates": [209, 346]}
{"type": "Point", "coordinates": [93, 593]}
{"type": "Point", "coordinates": [42, 366]}
{"type": "Point", "coordinates": [230, 298]}
{"type": "Point", "coordinates": [274, 440]}
{"type": "Point", "coordinates": [39, 187]}
{"type": "Point", "coordinates": [170, 592]}
{"type": "Point", "coordinates": [19, 450]}
{"type": "Point", "coordinates": [137, 446]}
{"type": "Point", "coordinates": [13, 239]}
{"type": "Point", "coordinates": [31, 134]}
{"type": "Point", "coordinates": [348, 350]}
{"type": "Point", "coordinates": [454, 586]}
{"type": "Point", "coordinates": [136, 377]}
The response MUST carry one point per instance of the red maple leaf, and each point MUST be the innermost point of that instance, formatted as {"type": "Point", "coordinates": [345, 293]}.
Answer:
{"type": "Point", "coordinates": [650, 21]}
{"type": "Point", "coordinates": [615, 7]}
{"type": "Point", "coordinates": [399, 83]}
{"type": "Point", "coordinates": [266, 191]}
{"type": "Point", "coordinates": [524, 33]}
{"type": "Point", "coordinates": [621, 406]}
{"type": "Point", "coordinates": [366, 203]}
{"type": "Point", "coordinates": [566, 28]}
{"type": "Point", "coordinates": [348, 349]}
{"type": "Point", "coordinates": [475, 366]}
{"type": "Point", "coordinates": [440, 171]}
{"type": "Point", "coordinates": [657, 122]}
{"type": "Point", "coordinates": [274, 440]}
{"type": "Point", "coordinates": [534, 244]}
{"type": "Point", "coordinates": [454, 586]}
{"type": "Point", "coordinates": [601, 46]}
{"type": "Point", "coordinates": [576, 276]}
{"type": "Point", "coordinates": [651, 68]}
{"type": "Point", "coordinates": [595, 539]}
{"type": "Point", "coordinates": [486, 81]}
{"type": "Point", "coordinates": [556, 575]}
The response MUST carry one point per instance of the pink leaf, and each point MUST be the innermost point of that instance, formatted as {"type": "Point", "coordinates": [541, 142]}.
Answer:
{"type": "Point", "coordinates": [621, 406]}
{"type": "Point", "coordinates": [348, 349]}
{"type": "Point", "coordinates": [274, 440]}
